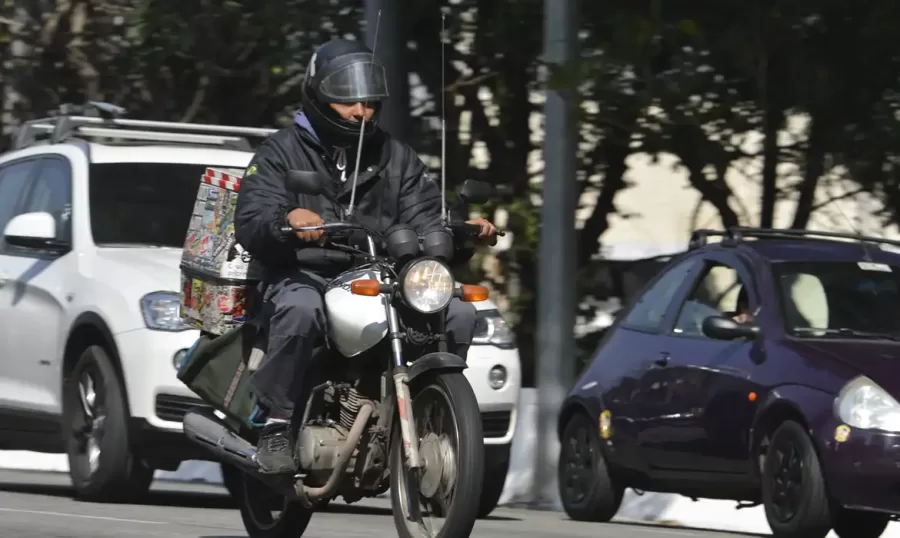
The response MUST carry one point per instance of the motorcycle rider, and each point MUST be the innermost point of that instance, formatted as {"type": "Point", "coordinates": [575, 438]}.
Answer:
{"type": "Point", "coordinates": [344, 84]}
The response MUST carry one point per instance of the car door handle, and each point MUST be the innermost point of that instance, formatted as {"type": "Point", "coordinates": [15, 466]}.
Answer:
{"type": "Point", "coordinates": [662, 360]}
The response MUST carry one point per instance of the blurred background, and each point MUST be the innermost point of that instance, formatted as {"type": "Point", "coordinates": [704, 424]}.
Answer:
{"type": "Point", "coordinates": [686, 113]}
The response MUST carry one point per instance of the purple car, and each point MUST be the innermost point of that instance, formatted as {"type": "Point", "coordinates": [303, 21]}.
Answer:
{"type": "Point", "coordinates": [765, 369]}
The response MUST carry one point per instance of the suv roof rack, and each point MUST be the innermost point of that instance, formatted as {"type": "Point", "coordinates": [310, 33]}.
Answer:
{"type": "Point", "coordinates": [102, 120]}
{"type": "Point", "coordinates": [735, 235]}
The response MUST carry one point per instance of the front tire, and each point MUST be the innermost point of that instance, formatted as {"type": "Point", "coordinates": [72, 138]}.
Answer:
{"type": "Point", "coordinates": [268, 514]}
{"type": "Point", "coordinates": [102, 464]}
{"type": "Point", "coordinates": [453, 461]}
{"type": "Point", "coordinates": [587, 490]}
{"type": "Point", "coordinates": [793, 488]}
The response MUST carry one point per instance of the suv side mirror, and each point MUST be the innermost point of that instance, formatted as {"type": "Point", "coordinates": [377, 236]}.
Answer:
{"type": "Point", "coordinates": [723, 328]}
{"type": "Point", "coordinates": [32, 230]}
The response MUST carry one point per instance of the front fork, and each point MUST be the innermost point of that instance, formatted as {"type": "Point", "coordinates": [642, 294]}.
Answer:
{"type": "Point", "coordinates": [401, 387]}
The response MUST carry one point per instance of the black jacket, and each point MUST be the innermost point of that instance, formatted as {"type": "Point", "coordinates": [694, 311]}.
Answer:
{"type": "Point", "coordinates": [393, 187]}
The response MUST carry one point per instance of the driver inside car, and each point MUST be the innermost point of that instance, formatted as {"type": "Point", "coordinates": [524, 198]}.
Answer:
{"type": "Point", "coordinates": [344, 84]}
{"type": "Point", "coordinates": [742, 314]}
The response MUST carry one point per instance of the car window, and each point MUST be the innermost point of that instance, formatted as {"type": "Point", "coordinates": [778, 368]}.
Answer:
{"type": "Point", "coordinates": [839, 298]}
{"type": "Point", "coordinates": [13, 178]}
{"type": "Point", "coordinates": [648, 312]}
{"type": "Point", "coordinates": [716, 294]}
{"type": "Point", "coordinates": [51, 193]}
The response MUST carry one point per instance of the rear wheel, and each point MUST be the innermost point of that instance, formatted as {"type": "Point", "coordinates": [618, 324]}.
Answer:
{"type": "Point", "coordinates": [586, 488]}
{"type": "Point", "coordinates": [793, 488]}
{"type": "Point", "coordinates": [451, 446]}
{"type": "Point", "coordinates": [268, 514]}
{"type": "Point", "coordinates": [102, 464]}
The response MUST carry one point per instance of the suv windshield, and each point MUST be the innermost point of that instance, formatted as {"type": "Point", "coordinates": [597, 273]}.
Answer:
{"type": "Point", "coordinates": [840, 299]}
{"type": "Point", "coordinates": [143, 204]}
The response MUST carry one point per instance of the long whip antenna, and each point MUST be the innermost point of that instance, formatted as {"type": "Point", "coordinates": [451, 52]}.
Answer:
{"type": "Point", "coordinates": [444, 216]}
{"type": "Point", "coordinates": [362, 125]}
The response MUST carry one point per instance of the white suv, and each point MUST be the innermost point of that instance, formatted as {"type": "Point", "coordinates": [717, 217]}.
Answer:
{"type": "Point", "coordinates": [89, 280]}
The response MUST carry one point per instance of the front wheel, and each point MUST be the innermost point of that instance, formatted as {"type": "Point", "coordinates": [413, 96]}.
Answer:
{"type": "Point", "coordinates": [451, 448]}
{"type": "Point", "coordinates": [102, 463]}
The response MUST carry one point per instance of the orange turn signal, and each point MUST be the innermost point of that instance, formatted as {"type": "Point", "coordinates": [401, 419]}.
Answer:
{"type": "Point", "coordinates": [369, 288]}
{"type": "Point", "coordinates": [473, 294]}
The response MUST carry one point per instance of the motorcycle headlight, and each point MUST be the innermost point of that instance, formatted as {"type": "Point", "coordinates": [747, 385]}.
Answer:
{"type": "Point", "coordinates": [427, 286]}
{"type": "Point", "coordinates": [863, 404]}
{"type": "Point", "coordinates": [492, 329]}
{"type": "Point", "coordinates": [162, 311]}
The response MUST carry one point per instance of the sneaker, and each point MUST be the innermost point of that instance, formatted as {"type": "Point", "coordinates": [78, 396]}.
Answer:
{"type": "Point", "coordinates": [274, 453]}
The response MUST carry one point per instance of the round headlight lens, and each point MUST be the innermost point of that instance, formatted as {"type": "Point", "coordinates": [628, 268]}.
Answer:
{"type": "Point", "coordinates": [428, 286]}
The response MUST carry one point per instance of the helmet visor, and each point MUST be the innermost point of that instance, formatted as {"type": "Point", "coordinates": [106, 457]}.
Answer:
{"type": "Point", "coordinates": [355, 82]}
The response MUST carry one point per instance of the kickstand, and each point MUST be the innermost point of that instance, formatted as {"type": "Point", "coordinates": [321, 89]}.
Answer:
{"type": "Point", "coordinates": [745, 504]}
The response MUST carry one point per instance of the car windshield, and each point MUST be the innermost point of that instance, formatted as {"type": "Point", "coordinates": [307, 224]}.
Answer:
{"type": "Point", "coordinates": [143, 204]}
{"type": "Point", "coordinates": [840, 299]}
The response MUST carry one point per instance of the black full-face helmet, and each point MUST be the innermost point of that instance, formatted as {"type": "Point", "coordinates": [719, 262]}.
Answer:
{"type": "Point", "coordinates": [345, 72]}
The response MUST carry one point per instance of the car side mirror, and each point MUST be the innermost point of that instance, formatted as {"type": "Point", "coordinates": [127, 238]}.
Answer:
{"type": "Point", "coordinates": [723, 328]}
{"type": "Point", "coordinates": [32, 230]}
{"type": "Point", "coordinates": [309, 183]}
{"type": "Point", "coordinates": [475, 192]}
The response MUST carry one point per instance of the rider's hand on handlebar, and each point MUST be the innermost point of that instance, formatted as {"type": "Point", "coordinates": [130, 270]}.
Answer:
{"type": "Point", "coordinates": [300, 218]}
{"type": "Point", "coordinates": [488, 234]}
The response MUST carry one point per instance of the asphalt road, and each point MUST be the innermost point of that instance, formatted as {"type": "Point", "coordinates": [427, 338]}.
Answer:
{"type": "Point", "coordinates": [39, 505]}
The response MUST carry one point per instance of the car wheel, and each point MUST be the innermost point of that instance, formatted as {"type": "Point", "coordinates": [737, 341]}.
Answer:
{"type": "Point", "coordinates": [102, 465]}
{"type": "Point", "coordinates": [586, 488]}
{"type": "Point", "coordinates": [496, 466]}
{"type": "Point", "coordinates": [859, 524]}
{"type": "Point", "coordinates": [793, 488]}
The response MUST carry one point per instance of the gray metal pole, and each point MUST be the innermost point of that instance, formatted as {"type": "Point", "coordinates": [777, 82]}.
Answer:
{"type": "Point", "coordinates": [556, 265]}
{"type": "Point", "coordinates": [391, 51]}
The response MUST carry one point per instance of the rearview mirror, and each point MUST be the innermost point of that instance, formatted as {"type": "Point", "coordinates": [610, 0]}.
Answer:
{"type": "Point", "coordinates": [723, 328]}
{"type": "Point", "coordinates": [310, 183]}
{"type": "Point", "coordinates": [31, 230]}
{"type": "Point", "coordinates": [476, 192]}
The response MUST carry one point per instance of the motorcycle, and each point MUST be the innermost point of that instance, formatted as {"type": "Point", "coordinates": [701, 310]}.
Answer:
{"type": "Point", "coordinates": [395, 411]}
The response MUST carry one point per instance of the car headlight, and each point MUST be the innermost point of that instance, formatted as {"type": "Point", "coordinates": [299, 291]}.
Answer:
{"type": "Point", "coordinates": [162, 311]}
{"type": "Point", "coordinates": [427, 286]}
{"type": "Point", "coordinates": [492, 329]}
{"type": "Point", "coordinates": [863, 404]}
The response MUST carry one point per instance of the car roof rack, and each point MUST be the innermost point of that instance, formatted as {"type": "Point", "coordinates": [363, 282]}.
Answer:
{"type": "Point", "coordinates": [736, 234]}
{"type": "Point", "coordinates": [96, 119]}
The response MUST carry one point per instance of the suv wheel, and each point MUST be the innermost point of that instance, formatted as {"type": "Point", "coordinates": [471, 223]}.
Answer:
{"type": "Point", "coordinates": [793, 488]}
{"type": "Point", "coordinates": [496, 467]}
{"type": "Point", "coordinates": [102, 465]}
{"type": "Point", "coordinates": [586, 488]}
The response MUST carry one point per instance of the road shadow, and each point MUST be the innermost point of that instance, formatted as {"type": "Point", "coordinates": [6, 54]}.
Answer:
{"type": "Point", "coordinates": [626, 524]}
{"type": "Point", "coordinates": [208, 500]}
{"type": "Point", "coordinates": [185, 499]}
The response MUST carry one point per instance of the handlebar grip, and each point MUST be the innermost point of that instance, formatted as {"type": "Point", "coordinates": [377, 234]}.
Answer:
{"type": "Point", "coordinates": [470, 230]}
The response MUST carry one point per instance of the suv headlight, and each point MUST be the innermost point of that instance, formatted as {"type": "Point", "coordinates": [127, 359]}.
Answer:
{"type": "Point", "coordinates": [863, 404]}
{"type": "Point", "coordinates": [162, 311]}
{"type": "Point", "coordinates": [492, 329]}
{"type": "Point", "coordinates": [427, 286]}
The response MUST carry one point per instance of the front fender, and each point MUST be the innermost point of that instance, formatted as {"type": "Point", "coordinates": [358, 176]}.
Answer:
{"type": "Point", "coordinates": [813, 406]}
{"type": "Point", "coordinates": [436, 361]}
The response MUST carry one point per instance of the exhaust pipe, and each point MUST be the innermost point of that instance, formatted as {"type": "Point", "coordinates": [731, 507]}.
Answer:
{"type": "Point", "coordinates": [205, 429]}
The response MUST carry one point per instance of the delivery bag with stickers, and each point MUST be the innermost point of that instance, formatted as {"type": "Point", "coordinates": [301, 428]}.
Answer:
{"type": "Point", "coordinates": [217, 283]}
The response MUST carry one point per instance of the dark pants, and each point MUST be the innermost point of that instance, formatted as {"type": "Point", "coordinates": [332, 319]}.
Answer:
{"type": "Point", "coordinates": [295, 325]}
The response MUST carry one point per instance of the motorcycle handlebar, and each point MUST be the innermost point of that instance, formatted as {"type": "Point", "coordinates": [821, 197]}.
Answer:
{"type": "Point", "coordinates": [462, 228]}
